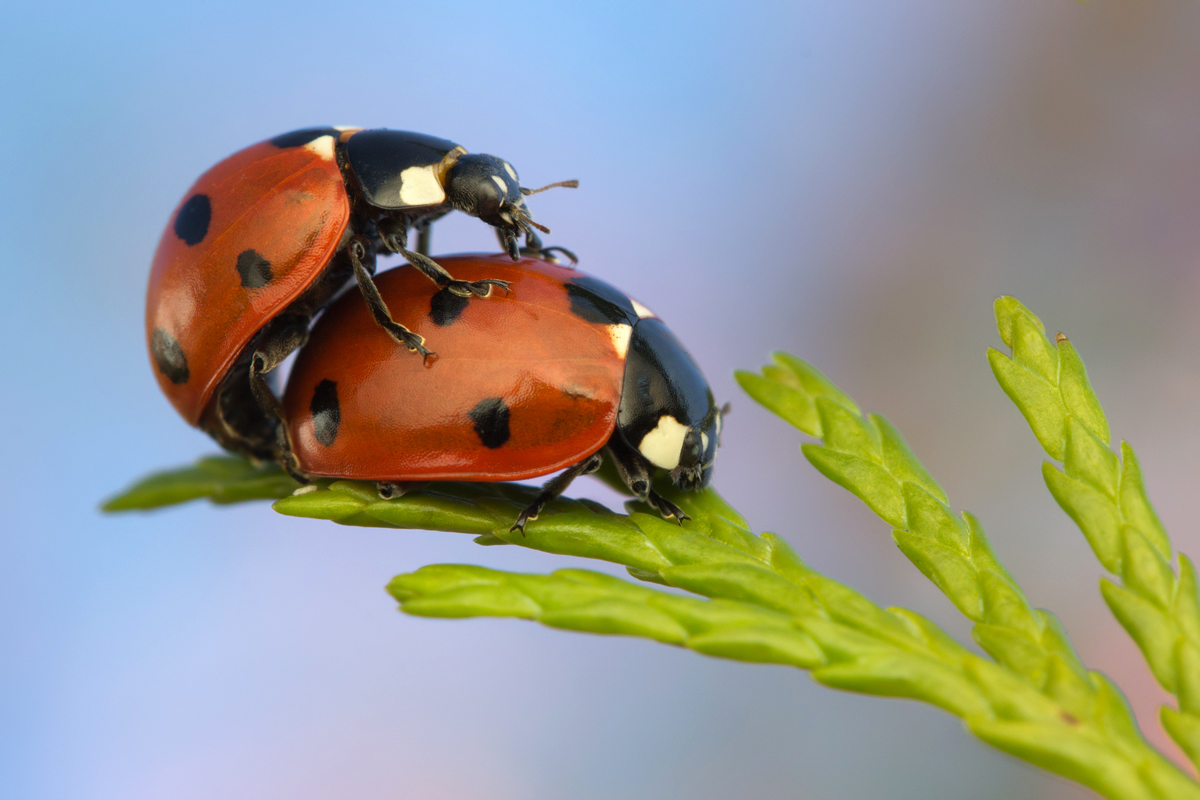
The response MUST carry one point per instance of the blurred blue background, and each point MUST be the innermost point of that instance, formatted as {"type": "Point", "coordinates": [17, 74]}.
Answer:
{"type": "Point", "coordinates": [853, 182]}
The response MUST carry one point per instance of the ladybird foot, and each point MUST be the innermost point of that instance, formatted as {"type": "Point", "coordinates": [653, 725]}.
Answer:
{"type": "Point", "coordinates": [525, 516]}
{"type": "Point", "coordinates": [478, 288]}
{"type": "Point", "coordinates": [666, 507]}
{"type": "Point", "coordinates": [413, 342]}
{"type": "Point", "coordinates": [551, 254]}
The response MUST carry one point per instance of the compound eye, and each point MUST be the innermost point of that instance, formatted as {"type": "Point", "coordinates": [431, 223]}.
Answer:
{"type": "Point", "coordinates": [489, 196]}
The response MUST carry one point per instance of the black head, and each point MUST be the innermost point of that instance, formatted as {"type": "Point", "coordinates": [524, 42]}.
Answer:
{"type": "Point", "coordinates": [667, 411]}
{"type": "Point", "coordinates": [486, 187]}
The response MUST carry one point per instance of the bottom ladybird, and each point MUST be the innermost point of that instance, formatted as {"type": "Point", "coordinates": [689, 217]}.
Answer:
{"type": "Point", "coordinates": [562, 372]}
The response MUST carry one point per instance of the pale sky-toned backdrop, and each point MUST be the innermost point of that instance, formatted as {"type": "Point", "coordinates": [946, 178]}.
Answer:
{"type": "Point", "coordinates": [854, 182]}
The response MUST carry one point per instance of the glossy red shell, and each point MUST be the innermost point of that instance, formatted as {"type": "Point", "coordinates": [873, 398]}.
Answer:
{"type": "Point", "coordinates": [290, 208]}
{"type": "Point", "coordinates": [558, 375]}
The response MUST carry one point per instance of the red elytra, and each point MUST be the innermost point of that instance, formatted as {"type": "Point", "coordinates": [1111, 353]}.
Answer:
{"type": "Point", "coordinates": [270, 221]}
{"type": "Point", "coordinates": [523, 385]}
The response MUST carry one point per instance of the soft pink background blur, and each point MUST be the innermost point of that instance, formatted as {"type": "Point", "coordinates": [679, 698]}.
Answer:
{"type": "Point", "coordinates": [852, 182]}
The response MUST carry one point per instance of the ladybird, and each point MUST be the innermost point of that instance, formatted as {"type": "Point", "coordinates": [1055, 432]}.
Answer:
{"type": "Point", "coordinates": [554, 376]}
{"type": "Point", "coordinates": [265, 238]}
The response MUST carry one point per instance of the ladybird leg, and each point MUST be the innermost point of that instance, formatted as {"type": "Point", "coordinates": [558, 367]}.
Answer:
{"type": "Point", "coordinates": [359, 254]}
{"type": "Point", "coordinates": [533, 247]}
{"type": "Point", "coordinates": [631, 466]}
{"type": "Point", "coordinates": [394, 233]}
{"type": "Point", "coordinates": [549, 254]}
{"type": "Point", "coordinates": [666, 507]}
{"type": "Point", "coordinates": [635, 473]}
{"type": "Point", "coordinates": [554, 488]}
{"type": "Point", "coordinates": [533, 242]}
{"type": "Point", "coordinates": [280, 339]}
{"type": "Point", "coordinates": [424, 238]}
{"type": "Point", "coordinates": [509, 242]}
{"type": "Point", "coordinates": [436, 273]}
{"type": "Point", "coordinates": [238, 424]}
{"type": "Point", "coordinates": [287, 459]}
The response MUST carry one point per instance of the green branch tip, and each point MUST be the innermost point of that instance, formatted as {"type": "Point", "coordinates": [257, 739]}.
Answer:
{"type": "Point", "coordinates": [219, 479]}
{"type": "Point", "coordinates": [1104, 494]}
{"type": "Point", "coordinates": [867, 456]}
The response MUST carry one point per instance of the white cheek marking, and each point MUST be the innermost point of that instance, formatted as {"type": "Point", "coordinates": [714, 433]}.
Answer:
{"type": "Point", "coordinates": [620, 335]}
{"type": "Point", "coordinates": [704, 441]}
{"type": "Point", "coordinates": [642, 311]}
{"type": "Point", "coordinates": [662, 446]}
{"type": "Point", "coordinates": [512, 173]}
{"type": "Point", "coordinates": [419, 186]}
{"type": "Point", "coordinates": [322, 146]}
{"type": "Point", "coordinates": [501, 185]}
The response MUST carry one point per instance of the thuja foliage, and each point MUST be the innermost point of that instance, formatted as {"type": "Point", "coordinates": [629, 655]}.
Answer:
{"type": "Point", "coordinates": [1104, 494]}
{"type": "Point", "coordinates": [755, 600]}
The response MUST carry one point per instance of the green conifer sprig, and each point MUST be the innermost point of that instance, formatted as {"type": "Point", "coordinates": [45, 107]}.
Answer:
{"type": "Point", "coordinates": [1035, 700]}
{"type": "Point", "coordinates": [781, 611]}
{"type": "Point", "coordinates": [583, 600]}
{"type": "Point", "coordinates": [219, 479]}
{"type": "Point", "coordinates": [1106, 497]}
{"type": "Point", "coordinates": [767, 606]}
{"type": "Point", "coordinates": [869, 457]}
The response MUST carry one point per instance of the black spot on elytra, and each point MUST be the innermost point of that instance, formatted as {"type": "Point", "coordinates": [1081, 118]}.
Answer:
{"type": "Point", "coordinates": [326, 413]}
{"type": "Point", "coordinates": [303, 136]}
{"type": "Point", "coordinates": [491, 422]}
{"type": "Point", "coordinates": [169, 357]}
{"type": "Point", "coordinates": [191, 223]}
{"type": "Point", "coordinates": [596, 301]}
{"type": "Point", "coordinates": [445, 307]}
{"type": "Point", "coordinates": [254, 269]}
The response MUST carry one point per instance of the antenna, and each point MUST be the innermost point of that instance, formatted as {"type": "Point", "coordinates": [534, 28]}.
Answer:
{"type": "Point", "coordinates": [564, 184]}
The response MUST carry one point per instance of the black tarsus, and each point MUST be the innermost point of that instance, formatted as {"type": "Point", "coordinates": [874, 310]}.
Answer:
{"type": "Point", "coordinates": [361, 254]}
{"type": "Point", "coordinates": [666, 507]}
{"type": "Point", "coordinates": [510, 243]}
{"type": "Point", "coordinates": [394, 234]}
{"type": "Point", "coordinates": [636, 474]}
{"type": "Point", "coordinates": [280, 338]}
{"type": "Point", "coordinates": [547, 253]}
{"type": "Point", "coordinates": [554, 488]}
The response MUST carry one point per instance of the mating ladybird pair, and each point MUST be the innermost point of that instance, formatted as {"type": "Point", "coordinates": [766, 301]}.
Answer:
{"type": "Point", "coordinates": [546, 375]}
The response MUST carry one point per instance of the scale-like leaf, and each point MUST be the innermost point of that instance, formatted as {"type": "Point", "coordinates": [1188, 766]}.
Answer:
{"type": "Point", "coordinates": [1105, 496]}
{"type": "Point", "coordinates": [220, 479]}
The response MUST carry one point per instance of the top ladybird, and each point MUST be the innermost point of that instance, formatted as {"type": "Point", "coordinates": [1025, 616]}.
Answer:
{"type": "Point", "coordinates": [265, 238]}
